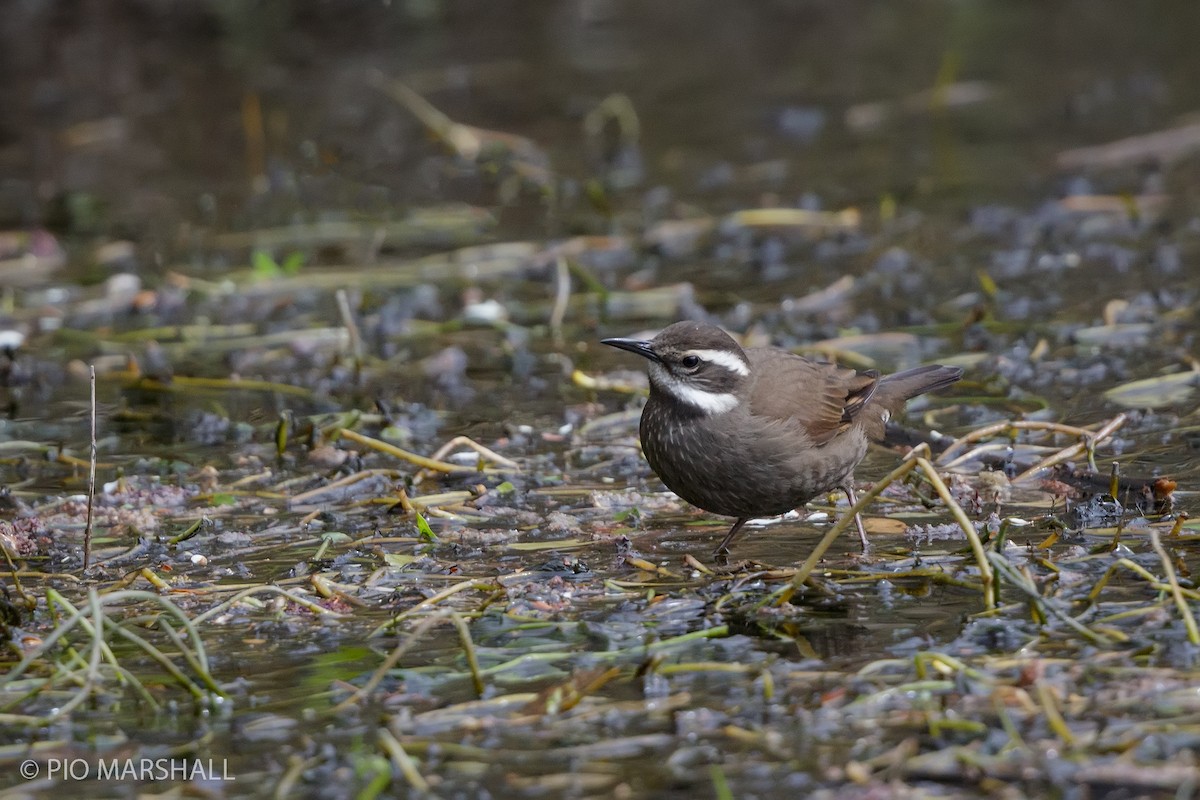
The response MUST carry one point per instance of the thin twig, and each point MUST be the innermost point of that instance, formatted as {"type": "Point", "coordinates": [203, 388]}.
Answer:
{"type": "Point", "coordinates": [30, 602]}
{"type": "Point", "coordinates": [1142, 572]}
{"type": "Point", "coordinates": [87, 528]}
{"type": "Point", "coordinates": [986, 577]}
{"type": "Point", "coordinates": [271, 588]}
{"type": "Point", "coordinates": [356, 349]}
{"type": "Point", "coordinates": [562, 295]}
{"type": "Point", "coordinates": [982, 450]}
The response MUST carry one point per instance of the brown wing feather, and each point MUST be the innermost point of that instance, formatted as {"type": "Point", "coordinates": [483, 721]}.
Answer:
{"type": "Point", "coordinates": [835, 395]}
{"type": "Point", "coordinates": [859, 391]}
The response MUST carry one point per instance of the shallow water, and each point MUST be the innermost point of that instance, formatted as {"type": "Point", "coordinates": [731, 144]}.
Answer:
{"type": "Point", "coordinates": [944, 126]}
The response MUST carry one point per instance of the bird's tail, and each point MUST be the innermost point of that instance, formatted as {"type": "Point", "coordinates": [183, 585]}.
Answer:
{"type": "Point", "coordinates": [919, 380]}
{"type": "Point", "coordinates": [893, 390]}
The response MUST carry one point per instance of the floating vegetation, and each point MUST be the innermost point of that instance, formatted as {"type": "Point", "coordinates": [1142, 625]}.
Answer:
{"type": "Point", "coordinates": [482, 659]}
{"type": "Point", "coordinates": [359, 509]}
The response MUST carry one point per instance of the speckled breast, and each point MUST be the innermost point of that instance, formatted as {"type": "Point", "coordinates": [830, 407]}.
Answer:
{"type": "Point", "coordinates": [721, 464]}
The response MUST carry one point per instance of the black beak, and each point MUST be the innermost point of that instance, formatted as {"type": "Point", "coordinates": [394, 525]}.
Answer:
{"type": "Point", "coordinates": [634, 346]}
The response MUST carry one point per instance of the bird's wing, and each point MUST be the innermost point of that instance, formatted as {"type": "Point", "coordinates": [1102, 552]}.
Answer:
{"type": "Point", "coordinates": [822, 398]}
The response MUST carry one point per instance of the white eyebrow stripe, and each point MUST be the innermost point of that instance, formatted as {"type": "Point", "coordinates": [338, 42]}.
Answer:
{"type": "Point", "coordinates": [726, 359]}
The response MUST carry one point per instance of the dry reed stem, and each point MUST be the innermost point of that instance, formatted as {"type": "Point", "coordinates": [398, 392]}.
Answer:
{"type": "Point", "coordinates": [486, 452]}
{"type": "Point", "coordinates": [351, 325]}
{"type": "Point", "coordinates": [1054, 717]}
{"type": "Point", "coordinates": [412, 458]}
{"type": "Point", "coordinates": [1185, 610]}
{"type": "Point", "coordinates": [912, 461]}
{"type": "Point", "coordinates": [562, 296]}
{"type": "Point", "coordinates": [985, 571]}
{"type": "Point", "coordinates": [468, 645]}
{"type": "Point", "coordinates": [1072, 451]}
{"type": "Point", "coordinates": [403, 761]}
{"type": "Point", "coordinates": [810, 563]}
{"type": "Point", "coordinates": [1001, 427]}
{"type": "Point", "coordinates": [349, 480]}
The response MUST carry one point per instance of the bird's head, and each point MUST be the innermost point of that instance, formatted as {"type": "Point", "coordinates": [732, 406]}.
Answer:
{"type": "Point", "coordinates": [695, 364]}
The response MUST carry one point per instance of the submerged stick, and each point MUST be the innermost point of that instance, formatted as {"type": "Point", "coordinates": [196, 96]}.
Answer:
{"type": "Point", "coordinates": [185, 383]}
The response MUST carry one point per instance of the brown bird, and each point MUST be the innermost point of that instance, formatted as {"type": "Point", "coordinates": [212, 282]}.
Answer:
{"type": "Point", "coordinates": [755, 432]}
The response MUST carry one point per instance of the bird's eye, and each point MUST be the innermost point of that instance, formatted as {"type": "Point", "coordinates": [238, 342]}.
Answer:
{"type": "Point", "coordinates": [691, 362]}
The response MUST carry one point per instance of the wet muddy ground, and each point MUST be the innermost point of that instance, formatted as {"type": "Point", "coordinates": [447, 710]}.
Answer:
{"type": "Point", "coordinates": [370, 516]}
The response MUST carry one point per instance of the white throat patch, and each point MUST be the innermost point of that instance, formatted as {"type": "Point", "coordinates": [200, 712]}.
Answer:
{"type": "Point", "coordinates": [728, 360]}
{"type": "Point", "coordinates": [708, 402]}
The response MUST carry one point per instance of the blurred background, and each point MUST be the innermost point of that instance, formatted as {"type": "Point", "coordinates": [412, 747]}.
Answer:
{"type": "Point", "coordinates": [137, 119]}
{"type": "Point", "coordinates": [294, 236]}
{"type": "Point", "coordinates": [996, 179]}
